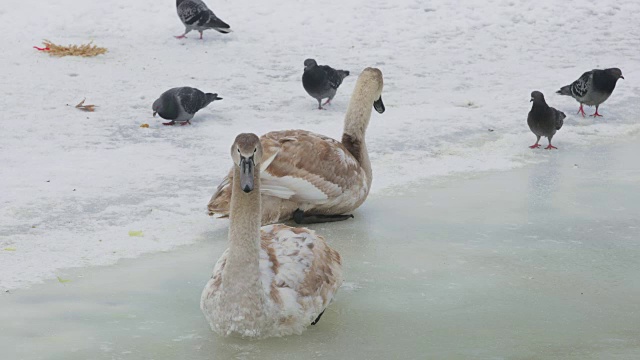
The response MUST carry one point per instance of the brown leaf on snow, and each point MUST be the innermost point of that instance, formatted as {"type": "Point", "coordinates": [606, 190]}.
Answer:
{"type": "Point", "coordinates": [84, 107]}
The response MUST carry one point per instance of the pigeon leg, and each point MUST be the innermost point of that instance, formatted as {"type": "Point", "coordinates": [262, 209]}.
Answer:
{"type": "Point", "coordinates": [300, 218]}
{"type": "Point", "coordinates": [200, 35]}
{"type": "Point", "coordinates": [320, 104]}
{"type": "Point", "coordinates": [596, 113]}
{"type": "Point", "coordinates": [536, 145]}
{"type": "Point", "coordinates": [183, 36]}
{"type": "Point", "coordinates": [581, 110]}
{"type": "Point", "coordinates": [328, 102]}
{"type": "Point", "coordinates": [549, 147]}
{"type": "Point", "coordinates": [186, 123]}
{"type": "Point", "coordinates": [171, 123]}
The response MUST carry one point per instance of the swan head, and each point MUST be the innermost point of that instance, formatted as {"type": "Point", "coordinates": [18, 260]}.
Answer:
{"type": "Point", "coordinates": [371, 80]}
{"type": "Point", "coordinates": [309, 63]}
{"type": "Point", "coordinates": [246, 153]}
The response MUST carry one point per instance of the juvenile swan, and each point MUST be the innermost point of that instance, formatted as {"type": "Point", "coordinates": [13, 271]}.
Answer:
{"type": "Point", "coordinates": [273, 281]}
{"type": "Point", "coordinates": [310, 177]}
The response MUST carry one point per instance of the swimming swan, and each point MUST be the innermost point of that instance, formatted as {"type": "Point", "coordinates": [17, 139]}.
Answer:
{"type": "Point", "coordinates": [272, 281]}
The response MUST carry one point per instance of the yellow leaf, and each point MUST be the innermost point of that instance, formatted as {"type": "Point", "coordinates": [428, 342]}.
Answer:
{"type": "Point", "coordinates": [137, 233]}
{"type": "Point", "coordinates": [9, 249]}
{"type": "Point", "coordinates": [144, 126]}
{"type": "Point", "coordinates": [62, 281]}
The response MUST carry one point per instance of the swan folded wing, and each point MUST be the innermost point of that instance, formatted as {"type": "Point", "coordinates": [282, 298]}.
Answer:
{"type": "Point", "coordinates": [216, 278]}
{"type": "Point", "coordinates": [305, 166]}
{"type": "Point", "coordinates": [219, 203]}
{"type": "Point", "coordinates": [299, 270]}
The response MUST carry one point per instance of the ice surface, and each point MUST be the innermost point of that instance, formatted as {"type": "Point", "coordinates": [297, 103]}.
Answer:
{"type": "Point", "coordinates": [74, 183]}
{"type": "Point", "coordinates": [533, 263]}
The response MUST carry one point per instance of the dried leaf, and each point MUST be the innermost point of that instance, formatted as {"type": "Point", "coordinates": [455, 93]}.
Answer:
{"type": "Point", "coordinates": [137, 233]}
{"type": "Point", "coordinates": [9, 249]}
{"type": "Point", "coordinates": [84, 107]}
{"type": "Point", "coordinates": [146, 126]}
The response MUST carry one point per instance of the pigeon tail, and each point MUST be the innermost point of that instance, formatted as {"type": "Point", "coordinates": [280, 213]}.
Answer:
{"type": "Point", "coordinates": [218, 25]}
{"type": "Point", "coordinates": [565, 90]}
{"type": "Point", "coordinates": [560, 116]}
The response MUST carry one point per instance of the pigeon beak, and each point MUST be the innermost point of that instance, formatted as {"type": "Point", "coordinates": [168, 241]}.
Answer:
{"type": "Point", "coordinates": [246, 174]}
{"type": "Point", "coordinates": [621, 77]}
{"type": "Point", "coordinates": [154, 113]}
{"type": "Point", "coordinates": [531, 100]}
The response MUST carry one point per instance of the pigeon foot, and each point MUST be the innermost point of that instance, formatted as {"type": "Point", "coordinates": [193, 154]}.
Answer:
{"type": "Point", "coordinates": [581, 111]}
{"type": "Point", "coordinates": [596, 114]}
{"type": "Point", "coordinates": [186, 123]}
{"type": "Point", "coordinates": [170, 123]}
{"type": "Point", "coordinates": [551, 147]}
{"type": "Point", "coordinates": [534, 146]}
{"type": "Point", "coordinates": [181, 37]}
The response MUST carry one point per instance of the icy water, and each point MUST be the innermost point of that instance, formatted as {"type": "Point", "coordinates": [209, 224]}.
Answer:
{"type": "Point", "coordinates": [536, 263]}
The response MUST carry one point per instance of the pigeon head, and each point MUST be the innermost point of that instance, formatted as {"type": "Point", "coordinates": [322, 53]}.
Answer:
{"type": "Point", "coordinates": [157, 106]}
{"type": "Point", "coordinates": [211, 98]}
{"type": "Point", "coordinates": [309, 63]}
{"type": "Point", "coordinates": [246, 153]}
{"type": "Point", "coordinates": [615, 72]}
{"type": "Point", "coordinates": [537, 97]}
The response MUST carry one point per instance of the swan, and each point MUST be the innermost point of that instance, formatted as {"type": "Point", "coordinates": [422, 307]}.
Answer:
{"type": "Point", "coordinates": [273, 281]}
{"type": "Point", "coordinates": [312, 178]}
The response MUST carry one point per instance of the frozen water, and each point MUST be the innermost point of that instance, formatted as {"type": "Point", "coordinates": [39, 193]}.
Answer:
{"type": "Point", "coordinates": [538, 262]}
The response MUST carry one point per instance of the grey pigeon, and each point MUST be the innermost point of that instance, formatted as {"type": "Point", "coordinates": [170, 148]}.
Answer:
{"type": "Point", "coordinates": [321, 81]}
{"type": "Point", "coordinates": [543, 120]}
{"type": "Point", "coordinates": [195, 15]}
{"type": "Point", "coordinates": [593, 87]}
{"type": "Point", "coordinates": [181, 104]}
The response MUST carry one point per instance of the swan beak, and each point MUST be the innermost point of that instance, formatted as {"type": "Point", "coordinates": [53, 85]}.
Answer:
{"type": "Point", "coordinates": [379, 105]}
{"type": "Point", "coordinates": [246, 174]}
{"type": "Point", "coordinates": [154, 113]}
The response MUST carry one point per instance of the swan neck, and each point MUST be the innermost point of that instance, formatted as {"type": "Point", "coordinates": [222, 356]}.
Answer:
{"type": "Point", "coordinates": [355, 127]}
{"type": "Point", "coordinates": [244, 236]}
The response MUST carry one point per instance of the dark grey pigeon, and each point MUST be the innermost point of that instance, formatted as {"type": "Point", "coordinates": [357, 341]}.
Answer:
{"type": "Point", "coordinates": [593, 87]}
{"type": "Point", "coordinates": [321, 81]}
{"type": "Point", "coordinates": [181, 104]}
{"type": "Point", "coordinates": [195, 15]}
{"type": "Point", "coordinates": [543, 120]}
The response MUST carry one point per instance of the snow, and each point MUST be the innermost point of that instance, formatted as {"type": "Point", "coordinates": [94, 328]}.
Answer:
{"type": "Point", "coordinates": [75, 183]}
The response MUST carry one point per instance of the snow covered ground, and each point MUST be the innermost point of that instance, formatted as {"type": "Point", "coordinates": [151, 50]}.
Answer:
{"type": "Point", "coordinates": [75, 183]}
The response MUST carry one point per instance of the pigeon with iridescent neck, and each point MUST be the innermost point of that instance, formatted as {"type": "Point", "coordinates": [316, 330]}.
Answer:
{"type": "Point", "coordinates": [593, 88]}
{"type": "Point", "coordinates": [321, 81]}
{"type": "Point", "coordinates": [195, 15]}
{"type": "Point", "coordinates": [181, 104]}
{"type": "Point", "coordinates": [543, 120]}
